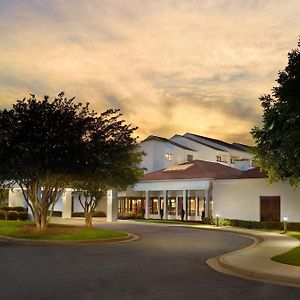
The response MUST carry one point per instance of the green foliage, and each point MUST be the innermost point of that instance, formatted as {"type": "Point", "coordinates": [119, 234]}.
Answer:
{"type": "Point", "coordinates": [129, 216]}
{"type": "Point", "coordinates": [277, 147]}
{"type": "Point", "coordinates": [47, 145]}
{"type": "Point", "coordinates": [22, 216]}
{"type": "Point", "coordinates": [2, 215]}
{"type": "Point", "coordinates": [251, 224]}
{"type": "Point", "coordinates": [12, 215]}
{"type": "Point", "coordinates": [13, 208]}
{"type": "Point", "coordinates": [56, 213]}
{"type": "Point", "coordinates": [98, 214]}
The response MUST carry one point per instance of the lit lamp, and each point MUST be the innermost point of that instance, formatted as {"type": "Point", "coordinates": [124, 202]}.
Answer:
{"type": "Point", "coordinates": [285, 219]}
{"type": "Point", "coordinates": [217, 216]}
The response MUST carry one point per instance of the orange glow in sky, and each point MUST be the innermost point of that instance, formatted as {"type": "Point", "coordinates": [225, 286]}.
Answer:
{"type": "Point", "coordinates": [171, 66]}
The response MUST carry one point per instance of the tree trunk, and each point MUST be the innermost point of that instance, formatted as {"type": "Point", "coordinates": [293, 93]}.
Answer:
{"type": "Point", "coordinates": [88, 220]}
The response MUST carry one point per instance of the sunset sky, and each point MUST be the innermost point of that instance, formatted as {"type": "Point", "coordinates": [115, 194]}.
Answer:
{"type": "Point", "coordinates": [171, 66]}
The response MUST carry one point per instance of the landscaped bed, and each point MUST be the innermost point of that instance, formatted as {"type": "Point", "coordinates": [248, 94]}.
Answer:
{"type": "Point", "coordinates": [27, 230]}
{"type": "Point", "coordinates": [292, 257]}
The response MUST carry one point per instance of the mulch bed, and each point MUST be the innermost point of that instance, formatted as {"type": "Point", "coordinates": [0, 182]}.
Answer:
{"type": "Point", "coordinates": [52, 229]}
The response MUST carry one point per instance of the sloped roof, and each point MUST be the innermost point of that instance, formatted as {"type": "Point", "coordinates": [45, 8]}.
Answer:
{"type": "Point", "coordinates": [219, 142]}
{"type": "Point", "coordinates": [202, 143]}
{"type": "Point", "coordinates": [162, 139]}
{"type": "Point", "coordinates": [200, 169]}
{"type": "Point", "coordinates": [242, 146]}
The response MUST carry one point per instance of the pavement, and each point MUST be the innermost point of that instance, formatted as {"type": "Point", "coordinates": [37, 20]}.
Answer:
{"type": "Point", "coordinates": [253, 262]}
{"type": "Point", "coordinates": [167, 262]}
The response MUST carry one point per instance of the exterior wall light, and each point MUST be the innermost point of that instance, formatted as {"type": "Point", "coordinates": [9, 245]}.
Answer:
{"type": "Point", "coordinates": [285, 219]}
{"type": "Point", "coordinates": [218, 220]}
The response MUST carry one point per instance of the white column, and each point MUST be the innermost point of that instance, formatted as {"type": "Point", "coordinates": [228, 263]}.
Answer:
{"type": "Point", "coordinates": [165, 195]}
{"type": "Point", "coordinates": [176, 207]}
{"type": "Point", "coordinates": [112, 205]}
{"type": "Point", "coordinates": [197, 208]}
{"type": "Point", "coordinates": [67, 204]}
{"type": "Point", "coordinates": [147, 205]}
{"type": "Point", "coordinates": [158, 206]}
{"type": "Point", "coordinates": [184, 204]}
{"type": "Point", "coordinates": [206, 205]}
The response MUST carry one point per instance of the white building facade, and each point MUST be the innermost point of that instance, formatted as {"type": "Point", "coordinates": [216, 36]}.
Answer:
{"type": "Point", "coordinates": [191, 177]}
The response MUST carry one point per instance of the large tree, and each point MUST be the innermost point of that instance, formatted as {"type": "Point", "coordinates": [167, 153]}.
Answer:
{"type": "Point", "coordinates": [46, 145]}
{"type": "Point", "coordinates": [117, 166]}
{"type": "Point", "coordinates": [277, 147]}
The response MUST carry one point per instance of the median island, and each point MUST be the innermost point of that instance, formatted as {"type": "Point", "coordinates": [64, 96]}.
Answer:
{"type": "Point", "coordinates": [23, 230]}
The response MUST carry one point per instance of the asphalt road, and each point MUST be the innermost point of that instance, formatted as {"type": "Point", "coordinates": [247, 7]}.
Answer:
{"type": "Point", "coordinates": [166, 263]}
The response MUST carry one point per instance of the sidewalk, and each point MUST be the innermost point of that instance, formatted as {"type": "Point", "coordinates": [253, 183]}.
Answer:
{"type": "Point", "coordinates": [254, 262]}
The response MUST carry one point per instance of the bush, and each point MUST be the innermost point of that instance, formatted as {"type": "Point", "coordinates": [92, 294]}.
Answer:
{"type": "Point", "coordinates": [251, 224]}
{"type": "Point", "coordinates": [14, 208]}
{"type": "Point", "coordinates": [129, 216]}
{"type": "Point", "coordinates": [2, 215]}
{"type": "Point", "coordinates": [23, 216]}
{"type": "Point", "coordinates": [99, 214]}
{"type": "Point", "coordinates": [95, 214]}
{"type": "Point", "coordinates": [12, 215]}
{"type": "Point", "coordinates": [56, 213]}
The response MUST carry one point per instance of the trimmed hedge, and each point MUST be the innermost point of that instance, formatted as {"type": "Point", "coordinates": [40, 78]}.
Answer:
{"type": "Point", "coordinates": [98, 214]}
{"type": "Point", "coordinates": [292, 226]}
{"type": "Point", "coordinates": [2, 215]}
{"type": "Point", "coordinates": [23, 216]}
{"type": "Point", "coordinates": [129, 216]}
{"type": "Point", "coordinates": [56, 213]}
{"type": "Point", "coordinates": [13, 215]}
{"type": "Point", "coordinates": [14, 208]}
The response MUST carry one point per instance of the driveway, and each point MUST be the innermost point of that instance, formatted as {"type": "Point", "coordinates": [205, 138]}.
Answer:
{"type": "Point", "coordinates": [166, 263]}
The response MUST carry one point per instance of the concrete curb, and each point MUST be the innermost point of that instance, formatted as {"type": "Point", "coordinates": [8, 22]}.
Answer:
{"type": "Point", "coordinates": [17, 241]}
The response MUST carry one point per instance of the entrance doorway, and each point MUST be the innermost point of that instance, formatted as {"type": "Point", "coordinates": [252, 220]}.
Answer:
{"type": "Point", "coordinates": [270, 208]}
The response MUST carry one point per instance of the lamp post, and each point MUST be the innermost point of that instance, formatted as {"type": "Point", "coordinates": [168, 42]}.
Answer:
{"type": "Point", "coordinates": [285, 219]}
{"type": "Point", "coordinates": [217, 216]}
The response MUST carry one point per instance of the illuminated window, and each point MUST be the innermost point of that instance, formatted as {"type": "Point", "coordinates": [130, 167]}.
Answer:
{"type": "Point", "coordinates": [168, 156]}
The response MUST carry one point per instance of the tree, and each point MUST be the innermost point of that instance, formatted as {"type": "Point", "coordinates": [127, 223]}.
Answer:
{"type": "Point", "coordinates": [46, 145]}
{"type": "Point", "coordinates": [277, 147]}
{"type": "Point", "coordinates": [117, 167]}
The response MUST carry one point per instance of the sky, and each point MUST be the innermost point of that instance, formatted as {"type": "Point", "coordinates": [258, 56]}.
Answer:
{"type": "Point", "coordinates": [171, 66]}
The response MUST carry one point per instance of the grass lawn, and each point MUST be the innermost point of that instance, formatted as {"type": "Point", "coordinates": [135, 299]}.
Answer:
{"type": "Point", "coordinates": [292, 257]}
{"type": "Point", "coordinates": [26, 230]}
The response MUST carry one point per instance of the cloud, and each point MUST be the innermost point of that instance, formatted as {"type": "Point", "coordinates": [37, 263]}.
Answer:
{"type": "Point", "coordinates": [171, 66]}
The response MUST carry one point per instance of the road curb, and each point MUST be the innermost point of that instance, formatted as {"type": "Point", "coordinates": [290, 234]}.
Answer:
{"type": "Point", "coordinates": [251, 274]}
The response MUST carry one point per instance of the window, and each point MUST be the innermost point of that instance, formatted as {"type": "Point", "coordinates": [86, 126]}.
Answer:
{"type": "Point", "coordinates": [168, 156]}
{"type": "Point", "coordinates": [153, 205]}
{"type": "Point", "coordinates": [189, 157]}
{"type": "Point", "coordinates": [219, 158]}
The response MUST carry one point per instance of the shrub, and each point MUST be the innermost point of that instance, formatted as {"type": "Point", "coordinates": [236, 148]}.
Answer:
{"type": "Point", "coordinates": [23, 216]}
{"type": "Point", "coordinates": [12, 215]}
{"type": "Point", "coordinates": [56, 213]}
{"type": "Point", "coordinates": [129, 216]}
{"type": "Point", "coordinates": [2, 215]}
{"type": "Point", "coordinates": [14, 208]}
{"type": "Point", "coordinates": [292, 226]}
{"type": "Point", "coordinates": [77, 215]}
{"type": "Point", "coordinates": [100, 214]}
{"type": "Point", "coordinates": [95, 214]}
